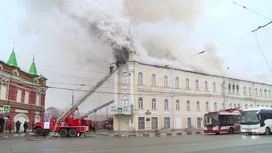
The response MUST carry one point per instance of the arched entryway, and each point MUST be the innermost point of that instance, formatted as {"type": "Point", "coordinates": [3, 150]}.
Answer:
{"type": "Point", "coordinates": [22, 118]}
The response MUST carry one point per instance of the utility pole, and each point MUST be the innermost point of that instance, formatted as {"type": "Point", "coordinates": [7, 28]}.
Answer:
{"type": "Point", "coordinates": [224, 90]}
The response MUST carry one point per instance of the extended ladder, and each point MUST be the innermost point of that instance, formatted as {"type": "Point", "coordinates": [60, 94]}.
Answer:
{"type": "Point", "coordinates": [97, 108]}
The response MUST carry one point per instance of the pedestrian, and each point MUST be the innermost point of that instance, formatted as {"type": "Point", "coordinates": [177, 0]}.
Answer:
{"type": "Point", "coordinates": [25, 126]}
{"type": "Point", "coordinates": [33, 125]}
{"type": "Point", "coordinates": [18, 124]}
{"type": "Point", "coordinates": [93, 127]}
{"type": "Point", "coordinates": [84, 133]}
{"type": "Point", "coordinates": [10, 126]}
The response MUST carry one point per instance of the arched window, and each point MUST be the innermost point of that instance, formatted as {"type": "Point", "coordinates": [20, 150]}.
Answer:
{"type": "Point", "coordinates": [237, 89]}
{"type": "Point", "coordinates": [258, 105]}
{"type": "Point", "coordinates": [177, 82]}
{"type": "Point", "coordinates": [215, 106]}
{"type": "Point", "coordinates": [153, 79]}
{"type": "Point", "coordinates": [229, 88]}
{"type": "Point", "coordinates": [250, 105]}
{"type": "Point", "coordinates": [166, 81]}
{"type": "Point", "coordinates": [187, 83]}
{"type": "Point", "coordinates": [198, 106]}
{"type": "Point", "coordinates": [223, 106]}
{"type": "Point", "coordinates": [188, 105]}
{"type": "Point", "coordinates": [177, 105]}
{"type": "Point", "coordinates": [140, 78]}
{"type": "Point", "coordinates": [233, 89]}
{"type": "Point", "coordinates": [230, 105]}
{"type": "Point", "coordinates": [207, 106]}
{"type": "Point", "coordinates": [249, 91]}
{"type": "Point", "coordinates": [206, 86]}
{"type": "Point", "coordinates": [166, 104]}
{"type": "Point", "coordinates": [234, 105]}
{"type": "Point", "coordinates": [124, 78]}
{"type": "Point", "coordinates": [256, 92]}
{"type": "Point", "coordinates": [124, 101]}
{"type": "Point", "coordinates": [214, 87]}
{"type": "Point", "coordinates": [265, 93]}
{"type": "Point", "coordinates": [244, 90]}
{"type": "Point", "coordinates": [261, 92]}
{"type": "Point", "coordinates": [140, 103]}
{"type": "Point", "coordinates": [246, 106]}
{"type": "Point", "coordinates": [196, 84]}
{"type": "Point", "coordinates": [154, 104]}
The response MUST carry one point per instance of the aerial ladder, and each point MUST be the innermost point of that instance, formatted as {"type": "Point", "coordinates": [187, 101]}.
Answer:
{"type": "Point", "coordinates": [66, 125]}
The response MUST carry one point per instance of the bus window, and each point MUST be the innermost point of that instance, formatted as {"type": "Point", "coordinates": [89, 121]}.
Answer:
{"type": "Point", "coordinates": [230, 120]}
{"type": "Point", "coordinates": [223, 120]}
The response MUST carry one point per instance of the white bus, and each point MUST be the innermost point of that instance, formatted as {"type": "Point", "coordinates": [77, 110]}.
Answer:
{"type": "Point", "coordinates": [257, 121]}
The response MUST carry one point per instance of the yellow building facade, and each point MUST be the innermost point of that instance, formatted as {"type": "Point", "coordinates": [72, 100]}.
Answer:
{"type": "Point", "coordinates": [160, 97]}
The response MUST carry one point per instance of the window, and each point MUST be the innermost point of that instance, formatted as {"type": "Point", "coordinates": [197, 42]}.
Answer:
{"type": "Point", "coordinates": [19, 96]}
{"type": "Point", "coordinates": [258, 105]}
{"type": "Point", "coordinates": [215, 106]}
{"type": "Point", "coordinates": [166, 81]}
{"type": "Point", "coordinates": [230, 105]}
{"type": "Point", "coordinates": [38, 99]}
{"type": "Point", "coordinates": [207, 106]}
{"type": "Point", "coordinates": [261, 92]}
{"type": "Point", "coordinates": [251, 105]}
{"type": "Point", "coordinates": [197, 106]}
{"type": "Point", "coordinates": [244, 90]}
{"type": "Point", "coordinates": [124, 101]}
{"type": "Point", "coordinates": [188, 106]}
{"type": "Point", "coordinates": [140, 78]}
{"type": "Point", "coordinates": [256, 92]}
{"type": "Point", "coordinates": [124, 78]}
{"type": "Point", "coordinates": [177, 82]}
{"type": "Point", "coordinates": [234, 105]}
{"type": "Point", "coordinates": [229, 88]}
{"type": "Point", "coordinates": [269, 92]}
{"type": "Point", "coordinates": [233, 89]}
{"type": "Point", "coordinates": [197, 84]}
{"type": "Point", "coordinates": [237, 89]}
{"type": "Point", "coordinates": [198, 122]}
{"type": "Point", "coordinates": [262, 105]}
{"type": "Point", "coordinates": [246, 106]}
{"type": "Point", "coordinates": [265, 93]}
{"type": "Point", "coordinates": [3, 92]}
{"type": "Point", "coordinates": [140, 103]}
{"type": "Point", "coordinates": [153, 79]}
{"type": "Point", "coordinates": [26, 100]}
{"type": "Point", "coordinates": [166, 104]}
{"type": "Point", "coordinates": [187, 83]}
{"type": "Point", "coordinates": [206, 86]}
{"type": "Point", "coordinates": [177, 105]}
{"type": "Point", "coordinates": [189, 122]}
{"type": "Point", "coordinates": [249, 91]}
{"type": "Point", "coordinates": [141, 122]}
{"type": "Point", "coordinates": [222, 87]}
{"type": "Point", "coordinates": [154, 122]}
{"type": "Point", "coordinates": [214, 87]}
{"type": "Point", "coordinates": [167, 122]}
{"type": "Point", "coordinates": [223, 106]}
{"type": "Point", "coordinates": [154, 106]}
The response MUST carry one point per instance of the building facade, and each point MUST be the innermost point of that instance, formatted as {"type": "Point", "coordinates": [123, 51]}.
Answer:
{"type": "Point", "coordinates": [23, 91]}
{"type": "Point", "coordinates": [157, 97]}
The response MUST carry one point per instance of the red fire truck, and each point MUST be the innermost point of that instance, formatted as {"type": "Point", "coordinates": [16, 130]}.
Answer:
{"type": "Point", "coordinates": [66, 125]}
{"type": "Point", "coordinates": [223, 121]}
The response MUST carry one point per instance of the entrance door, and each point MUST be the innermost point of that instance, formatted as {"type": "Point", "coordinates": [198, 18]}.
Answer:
{"type": "Point", "coordinates": [178, 123]}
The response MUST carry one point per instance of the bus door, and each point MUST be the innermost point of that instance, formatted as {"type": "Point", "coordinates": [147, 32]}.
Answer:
{"type": "Point", "coordinates": [237, 119]}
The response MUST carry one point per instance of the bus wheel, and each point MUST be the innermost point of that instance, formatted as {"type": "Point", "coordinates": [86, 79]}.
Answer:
{"type": "Point", "coordinates": [231, 130]}
{"type": "Point", "coordinates": [249, 133]}
{"type": "Point", "coordinates": [38, 131]}
{"type": "Point", "coordinates": [63, 133]}
{"type": "Point", "coordinates": [267, 131]}
{"type": "Point", "coordinates": [72, 132]}
{"type": "Point", "coordinates": [217, 133]}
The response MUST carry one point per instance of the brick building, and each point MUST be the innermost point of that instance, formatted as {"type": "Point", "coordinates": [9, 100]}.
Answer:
{"type": "Point", "coordinates": [23, 91]}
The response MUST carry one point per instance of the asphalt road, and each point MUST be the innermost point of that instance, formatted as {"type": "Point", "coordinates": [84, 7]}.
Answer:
{"type": "Point", "coordinates": [237, 143]}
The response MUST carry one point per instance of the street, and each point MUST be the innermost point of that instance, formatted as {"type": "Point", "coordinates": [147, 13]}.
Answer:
{"type": "Point", "coordinates": [236, 143]}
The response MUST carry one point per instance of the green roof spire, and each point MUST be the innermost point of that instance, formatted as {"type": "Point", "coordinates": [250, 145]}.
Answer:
{"type": "Point", "coordinates": [12, 59]}
{"type": "Point", "coordinates": [33, 70]}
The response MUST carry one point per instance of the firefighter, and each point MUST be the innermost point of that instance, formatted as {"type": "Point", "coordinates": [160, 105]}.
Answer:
{"type": "Point", "coordinates": [111, 68]}
{"type": "Point", "coordinates": [10, 126]}
{"type": "Point", "coordinates": [33, 125]}
{"type": "Point", "coordinates": [25, 126]}
{"type": "Point", "coordinates": [18, 124]}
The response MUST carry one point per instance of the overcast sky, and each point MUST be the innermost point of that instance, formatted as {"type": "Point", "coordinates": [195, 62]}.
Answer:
{"type": "Point", "coordinates": [69, 54]}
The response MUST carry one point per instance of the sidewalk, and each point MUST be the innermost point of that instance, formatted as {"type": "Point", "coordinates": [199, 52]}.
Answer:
{"type": "Point", "coordinates": [15, 135]}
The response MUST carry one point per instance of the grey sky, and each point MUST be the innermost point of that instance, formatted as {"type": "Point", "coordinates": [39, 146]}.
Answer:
{"type": "Point", "coordinates": [68, 54]}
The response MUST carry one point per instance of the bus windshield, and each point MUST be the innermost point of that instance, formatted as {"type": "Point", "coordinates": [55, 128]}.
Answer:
{"type": "Point", "coordinates": [249, 117]}
{"type": "Point", "coordinates": [210, 119]}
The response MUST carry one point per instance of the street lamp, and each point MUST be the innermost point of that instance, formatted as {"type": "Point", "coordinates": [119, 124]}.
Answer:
{"type": "Point", "coordinates": [224, 90]}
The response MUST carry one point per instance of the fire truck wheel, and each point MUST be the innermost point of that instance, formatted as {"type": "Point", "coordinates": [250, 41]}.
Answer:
{"type": "Point", "coordinates": [38, 131]}
{"type": "Point", "coordinates": [231, 130]}
{"type": "Point", "coordinates": [267, 131]}
{"type": "Point", "coordinates": [63, 133]}
{"type": "Point", "coordinates": [72, 133]}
